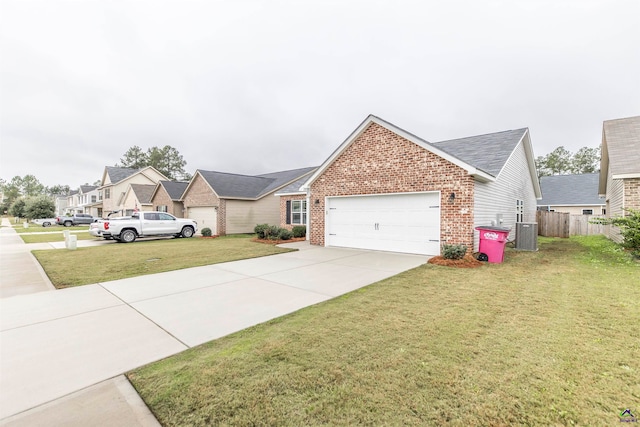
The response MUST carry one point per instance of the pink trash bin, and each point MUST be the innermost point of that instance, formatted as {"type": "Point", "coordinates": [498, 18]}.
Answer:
{"type": "Point", "coordinates": [492, 242]}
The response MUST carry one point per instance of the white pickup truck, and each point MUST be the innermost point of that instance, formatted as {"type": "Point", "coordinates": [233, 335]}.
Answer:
{"type": "Point", "coordinates": [143, 224]}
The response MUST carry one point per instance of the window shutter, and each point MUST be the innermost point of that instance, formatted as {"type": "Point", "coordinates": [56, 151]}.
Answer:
{"type": "Point", "coordinates": [288, 221]}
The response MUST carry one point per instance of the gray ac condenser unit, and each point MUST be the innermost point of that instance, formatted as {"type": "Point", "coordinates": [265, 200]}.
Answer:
{"type": "Point", "coordinates": [527, 236]}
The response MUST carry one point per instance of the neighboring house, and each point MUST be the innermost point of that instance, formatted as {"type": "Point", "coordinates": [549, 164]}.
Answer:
{"type": "Point", "coordinates": [167, 197]}
{"type": "Point", "coordinates": [61, 205]}
{"type": "Point", "coordinates": [386, 189]}
{"type": "Point", "coordinates": [574, 194]}
{"type": "Point", "coordinates": [231, 203]}
{"type": "Point", "coordinates": [620, 168]}
{"type": "Point", "coordinates": [138, 196]}
{"type": "Point", "coordinates": [88, 199]}
{"type": "Point", "coordinates": [115, 184]}
{"type": "Point", "coordinates": [72, 203]}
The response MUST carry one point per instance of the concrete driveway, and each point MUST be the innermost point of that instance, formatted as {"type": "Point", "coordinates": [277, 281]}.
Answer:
{"type": "Point", "coordinates": [59, 342]}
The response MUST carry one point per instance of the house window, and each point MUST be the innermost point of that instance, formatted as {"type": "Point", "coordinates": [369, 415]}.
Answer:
{"type": "Point", "coordinates": [100, 195]}
{"type": "Point", "coordinates": [519, 210]}
{"type": "Point", "coordinates": [162, 208]}
{"type": "Point", "coordinates": [587, 211]}
{"type": "Point", "coordinates": [93, 199]}
{"type": "Point", "coordinates": [107, 193]}
{"type": "Point", "coordinates": [604, 211]}
{"type": "Point", "coordinates": [298, 212]}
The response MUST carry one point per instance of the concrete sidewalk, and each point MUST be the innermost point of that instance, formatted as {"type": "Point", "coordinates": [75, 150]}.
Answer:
{"type": "Point", "coordinates": [55, 344]}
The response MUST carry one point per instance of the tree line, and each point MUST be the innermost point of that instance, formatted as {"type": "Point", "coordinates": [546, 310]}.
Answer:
{"type": "Point", "coordinates": [563, 162]}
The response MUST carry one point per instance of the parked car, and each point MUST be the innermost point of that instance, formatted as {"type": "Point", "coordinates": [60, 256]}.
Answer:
{"type": "Point", "coordinates": [45, 222]}
{"type": "Point", "coordinates": [76, 219]}
{"type": "Point", "coordinates": [143, 224]}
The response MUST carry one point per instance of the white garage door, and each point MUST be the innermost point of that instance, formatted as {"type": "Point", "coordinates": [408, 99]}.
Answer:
{"type": "Point", "coordinates": [205, 217]}
{"type": "Point", "coordinates": [408, 222]}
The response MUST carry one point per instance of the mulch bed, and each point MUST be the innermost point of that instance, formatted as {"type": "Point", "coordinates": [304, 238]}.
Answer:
{"type": "Point", "coordinates": [467, 262]}
{"type": "Point", "coordinates": [278, 242]}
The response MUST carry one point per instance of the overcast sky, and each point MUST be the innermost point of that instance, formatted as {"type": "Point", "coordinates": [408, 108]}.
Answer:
{"type": "Point", "coordinates": [260, 86]}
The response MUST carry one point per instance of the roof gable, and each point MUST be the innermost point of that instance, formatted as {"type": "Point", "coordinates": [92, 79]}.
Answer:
{"type": "Point", "coordinates": [570, 190]}
{"type": "Point", "coordinates": [174, 189]}
{"type": "Point", "coordinates": [488, 152]}
{"type": "Point", "coordinates": [620, 150]}
{"type": "Point", "coordinates": [143, 192]}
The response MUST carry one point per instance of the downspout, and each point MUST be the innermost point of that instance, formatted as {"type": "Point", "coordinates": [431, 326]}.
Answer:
{"type": "Point", "coordinates": [308, 224]}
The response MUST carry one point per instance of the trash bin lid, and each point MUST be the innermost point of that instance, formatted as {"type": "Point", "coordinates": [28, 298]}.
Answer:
{"type": "Point", "coordinates": [494, 228]}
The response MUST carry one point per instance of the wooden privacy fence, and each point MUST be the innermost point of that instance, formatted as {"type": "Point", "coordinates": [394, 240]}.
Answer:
{"type": "Point", "coordinates": [561, 224]}
{"type": "Point", "coordinates": [579, 225]}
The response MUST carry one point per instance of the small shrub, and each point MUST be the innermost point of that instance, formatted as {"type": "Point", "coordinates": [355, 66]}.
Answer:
{"type": "Point", "coordinates": [261, 230]}
{"type": "Point", "coordinates": [629, 229]}
{"type": "Point", "coordinates": [272, 232]}
{"type": "Point", "coordinates": [299, 231]}
{"type": "Point", "coordinates": [453, 251]}
{"type": "Point", "coordinates": [285, 234]}
{"type": "Point", "coordinates": [206, 232]}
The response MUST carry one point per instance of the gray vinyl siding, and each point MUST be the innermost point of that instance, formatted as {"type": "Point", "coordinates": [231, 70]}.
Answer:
{"type": "Point", "coordinates": [499, 197]}
{"type": "Point", "coordinates": [244, 215]}
{"type": "Point", "coordinates": [615, 199]}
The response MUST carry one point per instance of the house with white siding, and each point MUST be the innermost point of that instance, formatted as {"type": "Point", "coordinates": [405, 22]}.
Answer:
{"type": "Point", "coordinates": [386, 189]}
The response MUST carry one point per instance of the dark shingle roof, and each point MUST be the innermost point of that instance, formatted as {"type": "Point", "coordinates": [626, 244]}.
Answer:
{"type": "Point", "coordinates": [143, 192]}
{"type": "Point", "coordinates": [488, 152]}
{"type": "Point", "coordinates": [174, 188]}
{"type": "Point", "coordinates": [117, 174]}
{"type": "Point", "coordinates": [229, 185]}
{"type": "Point", "coordinates": [570, 190]}
{"type": "Point", "coordinates": [87, 188]}
{"type": "Point", "coordinates": [294, 187]}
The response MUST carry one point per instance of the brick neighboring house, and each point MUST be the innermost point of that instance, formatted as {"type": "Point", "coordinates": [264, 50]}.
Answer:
{"type": "Point", "coordinates": [387, 189]}
{"type": "Point", "coordinates": [231, 203]}
{"type": "Point", "coordinates": [574, 194]}
{"type": "Point", "coordinates": [620, 169]}
{"type": "Point", "coordinates": [167, 197]}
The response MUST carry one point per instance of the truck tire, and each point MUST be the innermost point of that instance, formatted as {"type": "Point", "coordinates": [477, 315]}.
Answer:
{"type": "Point", "coordinates": [46, 224]}
{"type": "Point", "coordinates": [128, 236]}
{"type": "Point", "coordinates": [68, 223]}
{"type": "Point", "coordinates": [187, 232]}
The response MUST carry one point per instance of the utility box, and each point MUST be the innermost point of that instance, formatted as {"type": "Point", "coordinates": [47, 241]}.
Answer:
{"type": "Point", "coordinates": [527, 236]}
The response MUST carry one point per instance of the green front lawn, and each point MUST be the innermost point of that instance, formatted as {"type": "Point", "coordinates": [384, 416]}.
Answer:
{"type": "Point", "coordinates": [57, 236]}
{"type": "Point", "coordinates": [35, 228]}
{"type": "Point", "coordinates": [547, 338]}
{"type": "Point", "coordinates": [120, 260]}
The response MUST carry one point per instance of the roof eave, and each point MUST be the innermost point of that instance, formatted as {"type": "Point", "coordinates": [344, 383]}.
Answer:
{"type": "Point", "coordinates": [626, 175]}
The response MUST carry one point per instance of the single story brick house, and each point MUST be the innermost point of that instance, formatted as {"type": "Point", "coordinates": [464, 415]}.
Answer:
{"type": "Point", "coordinates": [167, 197]}
{"type": "Point", "coordinates": [386, 189]}
{"type": "Point", "coordinates": [230, 203]}
{"type": "Point", "coordinates": [620, 168]}
{"type": "Point", "coordinates": [573, 194]}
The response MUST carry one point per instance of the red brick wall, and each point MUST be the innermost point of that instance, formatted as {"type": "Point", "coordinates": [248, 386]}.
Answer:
{"type": "Point", "coordinates": [162, 198]}
{"type": "Point", "coordinates": [379, 162]}
{"type": "Point", "coordinates": [283, 210]}
{"type": "Point", "coordinates": [632, 193]}
{"type": "Point", "coordinates": [199, 193]}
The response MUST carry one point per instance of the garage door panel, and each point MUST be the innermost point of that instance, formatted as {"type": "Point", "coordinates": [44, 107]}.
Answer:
{"type": "Point", "coordinates": [399, 223]}
{"type": "Point", "coordinates": [205, 217]}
